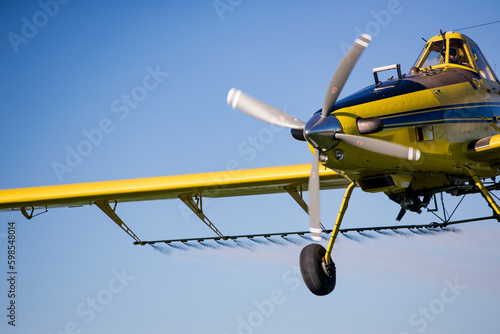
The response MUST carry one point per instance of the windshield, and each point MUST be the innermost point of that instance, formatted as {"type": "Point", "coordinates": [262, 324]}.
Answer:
{"type": "Point", "coordinates": [482, 65]}
{"type": "Point", "coordinates": [431, 55]}
{"type": "Point", "coordinates": [457, 53]}
{"type": "Point", "coordinates": [420, 56]}
{"type": "Point", "coordinates": [452, 51]}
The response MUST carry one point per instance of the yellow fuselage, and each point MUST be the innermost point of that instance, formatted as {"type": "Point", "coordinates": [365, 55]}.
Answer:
{"type": "Point", "coordinates": [438, 111]}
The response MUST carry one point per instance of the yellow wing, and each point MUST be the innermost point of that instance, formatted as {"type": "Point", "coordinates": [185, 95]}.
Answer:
{"type": "Point", "coordinates": [105, 194]}
{"type": "Point", "coordinates": [214, 184]}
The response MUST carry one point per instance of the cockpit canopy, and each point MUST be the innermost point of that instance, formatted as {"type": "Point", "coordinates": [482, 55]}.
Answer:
{"type": "Point", "coordinates": [454, 49]}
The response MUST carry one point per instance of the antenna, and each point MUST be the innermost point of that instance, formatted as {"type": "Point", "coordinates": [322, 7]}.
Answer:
{"type": "Point", "coordinates": [478, 25]}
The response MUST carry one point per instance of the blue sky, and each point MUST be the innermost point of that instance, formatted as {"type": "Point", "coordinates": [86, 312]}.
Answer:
{"type": "Point", "coordinates": [148, 83]}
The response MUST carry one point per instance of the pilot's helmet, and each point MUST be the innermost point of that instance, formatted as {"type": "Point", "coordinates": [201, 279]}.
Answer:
{"type": "Point", "coordinates": [453, 55]}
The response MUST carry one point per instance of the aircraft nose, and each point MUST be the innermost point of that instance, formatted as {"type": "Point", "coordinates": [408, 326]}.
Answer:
{"type": "Point", "coordinates": [320, 131]}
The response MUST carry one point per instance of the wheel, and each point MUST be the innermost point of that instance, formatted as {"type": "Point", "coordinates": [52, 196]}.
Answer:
{"type": "Point", "coordinates": [319, 277]}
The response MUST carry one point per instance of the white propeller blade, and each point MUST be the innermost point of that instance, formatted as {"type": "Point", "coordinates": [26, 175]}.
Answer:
{"type": "Point", "coordinates": [263, 111]}
{"type": "Point", "coordinates": [380, 146]}
{"type": "Point", "coordinates": [342, 73]}
{"type": "Point", "coordinates": [313, 189]}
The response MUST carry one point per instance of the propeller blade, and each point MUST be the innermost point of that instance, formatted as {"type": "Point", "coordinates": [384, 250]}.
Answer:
{"type": "Point", "coordinates": [263, 111]}
{"type": "Point", "coordinates": [313, 189]}
{"type": "Point", "coordinates": [380, 146]}
{"type": "Point", "coordinates": [342, 73]}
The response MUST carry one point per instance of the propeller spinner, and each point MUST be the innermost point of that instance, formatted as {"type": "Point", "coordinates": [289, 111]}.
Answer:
{"type": "Point", "coordinates": [323, 131]}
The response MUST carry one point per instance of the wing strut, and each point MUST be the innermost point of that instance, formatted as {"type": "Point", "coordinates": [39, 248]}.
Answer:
{"type": "Point", "coordinates": [110, 212]}
{"type": "Point", "coordinates": [296, 192]}
{"type": "Point", "coordinates": [195, 203]}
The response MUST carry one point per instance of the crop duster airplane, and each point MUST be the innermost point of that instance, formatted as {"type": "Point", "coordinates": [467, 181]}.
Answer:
{"type": "Point", "coordinates": [413, 136]}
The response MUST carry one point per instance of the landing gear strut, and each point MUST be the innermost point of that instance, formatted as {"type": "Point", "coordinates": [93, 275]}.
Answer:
{"type": "Point", "coordinates": [316, 265]}
{"type": "Point", "coordinates": [484, 192]}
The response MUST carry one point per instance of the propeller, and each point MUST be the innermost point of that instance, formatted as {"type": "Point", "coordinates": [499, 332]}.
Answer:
{"type": "Point", "coordinates": [342, 73]}
{"type": "Point", "coordinates": [337, 82]}
{"type": "Point", "coordinates": [263, 111]}
{"type": "Point", "coordinates": [380, 146]}
{"type": "Point", "coordinates": [323, 131]}
{"type": "Point", "coordinates": [313, 189]}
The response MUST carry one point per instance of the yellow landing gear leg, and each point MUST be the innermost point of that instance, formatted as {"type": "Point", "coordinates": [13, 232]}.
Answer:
{"type": "Point", "coordinates": [486, 194]}
{"type": "Point", "coordinates": [316, 266]}
{"type": "Point", "coordinates": [336, 227]}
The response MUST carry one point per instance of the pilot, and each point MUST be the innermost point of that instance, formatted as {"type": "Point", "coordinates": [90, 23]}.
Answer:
{"type": "Point", "coordinates": [453, 57]}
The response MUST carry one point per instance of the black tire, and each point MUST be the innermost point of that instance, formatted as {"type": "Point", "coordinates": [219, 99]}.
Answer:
{"type": "Point", "coordinates": [313, 272]}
